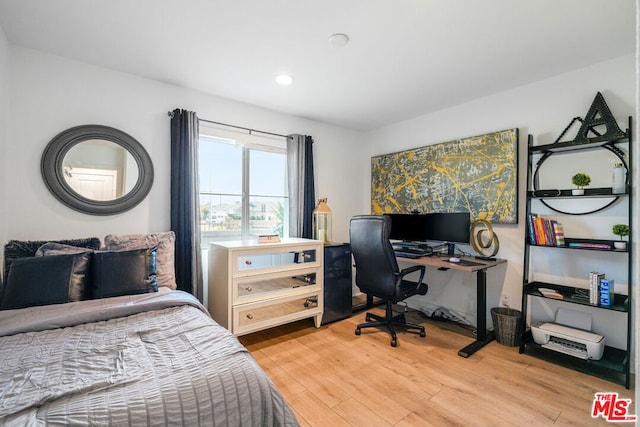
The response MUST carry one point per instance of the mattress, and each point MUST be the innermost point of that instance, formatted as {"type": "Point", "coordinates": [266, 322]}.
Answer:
{"type": "Point", "coordinates": [151, 359]}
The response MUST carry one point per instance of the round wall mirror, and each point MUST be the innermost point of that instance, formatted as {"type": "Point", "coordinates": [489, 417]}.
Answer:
{"type": "Point", "coordinates": [97, 169]}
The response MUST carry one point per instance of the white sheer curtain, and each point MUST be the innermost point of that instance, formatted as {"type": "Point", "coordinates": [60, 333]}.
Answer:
{"type": "Point", "coordinates": [301, 185]}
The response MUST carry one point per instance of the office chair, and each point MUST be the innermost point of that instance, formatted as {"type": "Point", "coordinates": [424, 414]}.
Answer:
{"type": "Point", "coordinates": [378, 274]}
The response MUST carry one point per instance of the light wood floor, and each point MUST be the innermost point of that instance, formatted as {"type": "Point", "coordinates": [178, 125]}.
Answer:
{"type": "Point", "coordinates": [331, 377]}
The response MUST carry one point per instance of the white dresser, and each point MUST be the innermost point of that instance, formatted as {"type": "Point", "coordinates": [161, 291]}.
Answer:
{"type": "Point", "coordinates": [254, 286]}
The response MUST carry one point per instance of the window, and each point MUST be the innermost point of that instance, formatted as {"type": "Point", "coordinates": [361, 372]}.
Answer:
{"type": "Point", "coordinates": [243, 186]}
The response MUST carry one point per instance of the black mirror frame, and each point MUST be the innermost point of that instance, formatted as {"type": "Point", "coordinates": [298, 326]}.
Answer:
{"type": "Point", "coordinates": [52, 169]}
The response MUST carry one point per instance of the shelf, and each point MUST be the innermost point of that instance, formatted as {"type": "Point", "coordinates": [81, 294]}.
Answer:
{"type": "Point", "coordinates": [614, 363]}
{"type": "Point", "coordinates": [591, 143]}
{"type": "Point", "coordinates": [570, 240]}
{"type": "Point", "coordinates": [619, 301]}
{"type": "Point", "coordinates": [613, 360]}
{"type": "Point", "coordinates": [566, 194]}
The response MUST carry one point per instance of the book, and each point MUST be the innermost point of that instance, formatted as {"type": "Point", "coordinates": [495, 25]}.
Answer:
{"type": "Point", "coordinates": [548, 232]}
{"type": "Point", "coordinates": [268, 238]}
{"type": "Point", "coordinates": [551, 293]}
{"type": "Point", "coordinates": [558, 232]}
{"type": "Point", "coordinates": [585, 245]}
{"type": "Point", "coordinates": [606, 292]}
{"type": "Point", "coordinates": [530, 225]}
{"type": "Point", "coordinates": [552, 232]}
{"type": "Point", "coordinates": [540, 235]}
{"type": "Point", "coordinates": [594, 287]}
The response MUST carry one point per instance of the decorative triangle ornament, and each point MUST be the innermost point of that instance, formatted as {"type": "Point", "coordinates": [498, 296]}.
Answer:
{"type": "Point", "coordinates": [599, 115]}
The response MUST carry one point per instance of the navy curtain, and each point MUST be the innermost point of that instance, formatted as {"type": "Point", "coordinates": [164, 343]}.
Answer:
{"type": "Point", "coordinates": [185, 203]}
{"type": "Point", "coordinates": [301, 185]}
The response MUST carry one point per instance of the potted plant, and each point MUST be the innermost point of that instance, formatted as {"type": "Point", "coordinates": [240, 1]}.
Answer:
{"type": "Point", "coordinates": [621, 230]}
{"type": "Point", "coordinates": [580, 180]}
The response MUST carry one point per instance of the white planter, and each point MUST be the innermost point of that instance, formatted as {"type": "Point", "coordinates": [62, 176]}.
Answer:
{"type": "Point", "coordinates": [577, 191]}
{"type": "Point", "coordinates": [620, 245]}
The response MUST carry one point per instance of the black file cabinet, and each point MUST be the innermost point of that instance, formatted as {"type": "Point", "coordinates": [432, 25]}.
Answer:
{"type": "Point", "coordinates": [337, 282]}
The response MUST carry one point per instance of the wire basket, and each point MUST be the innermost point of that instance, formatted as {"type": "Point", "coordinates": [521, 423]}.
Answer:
{"type": "Point", "coordinates": [506, 325]}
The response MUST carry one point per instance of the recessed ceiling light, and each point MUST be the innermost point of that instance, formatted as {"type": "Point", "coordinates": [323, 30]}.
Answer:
{"type": "Point", "coordinates": [338, 40]}
{"type": "Point", "coordinates": [284, 79]}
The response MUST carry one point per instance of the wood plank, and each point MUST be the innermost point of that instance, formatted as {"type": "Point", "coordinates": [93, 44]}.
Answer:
{"type": "Point", "coordinates": [432, 415]}
{"type": "Point", "coordinates": [357, 414]}
{"type": "Point", "coordinates": [462, 403]}
{"type": "Point", "coordinates": [376, 400]}
{"type": "Point", "coordinates": [313, 412]}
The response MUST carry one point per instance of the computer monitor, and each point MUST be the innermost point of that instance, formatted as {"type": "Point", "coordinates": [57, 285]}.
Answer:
{"type": "Point", "coordinates": [445, 227]}
{"type": "Point", "coordinates": [408, 227]}
{"type": "Point", "coordinates": [449, 228]}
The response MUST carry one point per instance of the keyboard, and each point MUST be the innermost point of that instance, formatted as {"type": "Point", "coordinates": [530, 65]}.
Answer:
{"type": "Point", "coordinates": [412, 250]}
{"type": "Point", "coordinates": [469, 263]}
{"type": "Point", "coordinates": [409, 250]}
{"type": "Point", "coordinates": [407, 254]}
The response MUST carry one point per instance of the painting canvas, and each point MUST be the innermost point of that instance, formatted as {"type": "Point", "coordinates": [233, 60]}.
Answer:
{"type": "Point", "coordinates": [478, 174]}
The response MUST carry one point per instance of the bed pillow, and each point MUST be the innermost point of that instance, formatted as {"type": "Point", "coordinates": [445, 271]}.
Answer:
{"type": "Point", "coordinates": [27, 248]}
{"type": "Point", "coordinates": [166, 243]}
{"type": "Point", "coordinates": [46, 280]}
{"type": "Point", "coordinates": [115, 273]}
{"type": "Point", "coordinates": [53, 248]}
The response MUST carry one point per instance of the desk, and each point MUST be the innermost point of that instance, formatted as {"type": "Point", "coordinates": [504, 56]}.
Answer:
{"type": "Point", "coordinates": [483, 337]}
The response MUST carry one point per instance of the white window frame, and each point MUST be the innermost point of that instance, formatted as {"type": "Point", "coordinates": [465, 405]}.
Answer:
{"type": "Point", "coordinates": [248, 141]}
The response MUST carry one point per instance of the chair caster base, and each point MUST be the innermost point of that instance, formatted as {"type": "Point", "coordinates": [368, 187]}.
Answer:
{"type": "Point", "coordinates": [390, 322]}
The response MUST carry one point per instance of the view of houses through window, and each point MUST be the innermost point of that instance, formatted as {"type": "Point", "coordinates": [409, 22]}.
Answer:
{"type": "Point", "coordinates": [243, 188]}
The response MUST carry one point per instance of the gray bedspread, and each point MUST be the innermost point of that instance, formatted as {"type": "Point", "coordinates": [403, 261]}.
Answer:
{"type": "Point", "coordinates": [152, 359]}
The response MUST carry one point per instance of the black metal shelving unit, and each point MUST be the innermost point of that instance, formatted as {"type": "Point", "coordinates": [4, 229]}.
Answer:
{"type": "Point", "coordinates": [615, 364]}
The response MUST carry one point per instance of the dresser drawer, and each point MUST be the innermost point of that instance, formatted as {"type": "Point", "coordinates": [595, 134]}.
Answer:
{"type": "Point", "coordinates": [251, 288]}
{"type": "Point", "coordinates": [254, 316]}
{"type": "Point", "coordinates": [274, 259]}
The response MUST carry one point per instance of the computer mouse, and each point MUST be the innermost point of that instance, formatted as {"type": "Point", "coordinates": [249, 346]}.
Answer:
{"type": "Point", "coordinates": [454, 259]}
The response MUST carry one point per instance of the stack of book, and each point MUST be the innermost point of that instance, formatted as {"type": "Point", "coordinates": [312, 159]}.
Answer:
{"type": "Point", "coordinates": [551, 293]}
{"type": "Point", "coordinates": [544, 231]}
{"type": "Point", "coordinates": [600, 289]}
{"type": "Point", "coordinates": [268, 238]}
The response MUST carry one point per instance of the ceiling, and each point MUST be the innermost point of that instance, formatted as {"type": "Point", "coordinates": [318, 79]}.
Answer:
{"type": "Point", "coordinates": [404, 59]}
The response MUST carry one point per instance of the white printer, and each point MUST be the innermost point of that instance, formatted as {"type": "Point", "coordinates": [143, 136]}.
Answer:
{"type": "Point", "coordinates": [572, 341]}
{"type": "Point", "coordinates": [569, 334]}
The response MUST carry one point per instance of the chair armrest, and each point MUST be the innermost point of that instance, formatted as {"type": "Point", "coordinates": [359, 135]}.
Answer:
{"type": "Point", "coordinates": [411, 269]}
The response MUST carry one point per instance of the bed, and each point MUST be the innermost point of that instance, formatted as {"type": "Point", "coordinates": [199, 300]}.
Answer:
{"type": "Point", "coordinates": [144, 359]}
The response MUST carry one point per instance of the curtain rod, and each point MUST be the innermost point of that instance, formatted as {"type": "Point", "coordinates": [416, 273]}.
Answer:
{"type": "Point", "coordinates": [170, 113]}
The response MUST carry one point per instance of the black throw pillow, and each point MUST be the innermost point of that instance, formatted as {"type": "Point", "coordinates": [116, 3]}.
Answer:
{"type": "Point", "coordinates": [46, 280]}
{"type": "Point", "coordinates": [123, 273]}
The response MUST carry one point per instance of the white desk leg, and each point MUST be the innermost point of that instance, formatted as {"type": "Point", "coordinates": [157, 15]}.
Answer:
{"type": "Point", "coordinates": [317, 319]}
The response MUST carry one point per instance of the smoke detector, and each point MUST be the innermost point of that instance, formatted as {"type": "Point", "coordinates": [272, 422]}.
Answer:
{"type": "Point", "coordinates": [338, 40]}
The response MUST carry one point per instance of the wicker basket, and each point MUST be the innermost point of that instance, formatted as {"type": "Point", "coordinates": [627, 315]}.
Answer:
{"type": "Point", "coordinates": [506, 324]}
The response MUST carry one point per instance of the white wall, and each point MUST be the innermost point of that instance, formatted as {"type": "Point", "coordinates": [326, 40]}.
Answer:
{"type": "Point", "coordinates": [50, 93]}
{"type": "Point", "coordinates": [4, 111]}
{"type": "Point", "coordinates": [543, 109]}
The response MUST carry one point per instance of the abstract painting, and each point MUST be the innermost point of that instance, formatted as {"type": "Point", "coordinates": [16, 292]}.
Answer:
{"type": "Point", "coordinates": [478, 174]}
